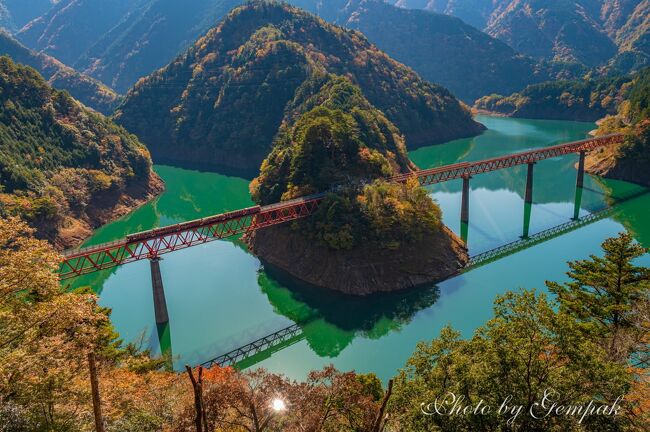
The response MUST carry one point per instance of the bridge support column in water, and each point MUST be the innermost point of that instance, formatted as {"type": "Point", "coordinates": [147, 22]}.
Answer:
{"type": "Point", "coordinates": [527, 211]}
{"type": "Point", "coordinates": [464, 210]}
{"type": "Point", "coordinates": [529, 184]}
{"type": "Point", "coordinates": [581, 170]}
{"type": "Point", "coordinates": [159, 302]}
{"type": "Point", "coordinates": [576, 204]}
{"type": "Point", "coordinates": [528, 200]}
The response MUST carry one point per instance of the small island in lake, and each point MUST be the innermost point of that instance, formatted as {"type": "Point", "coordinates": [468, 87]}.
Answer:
{"type": "Point", "coordinates": [368, 235]}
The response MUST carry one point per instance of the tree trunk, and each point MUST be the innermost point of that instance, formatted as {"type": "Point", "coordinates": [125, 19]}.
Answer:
{"type": "Point", "coordinates": [94, 385]}
{"type": "Point", "coordinates": [377, 425]}
{"type": "Point", "coordinates": [201, 418]}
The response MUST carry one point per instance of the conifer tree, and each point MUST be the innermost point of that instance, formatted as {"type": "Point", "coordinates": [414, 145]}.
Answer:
{"type": "Point", "coordinates": [604, 293]}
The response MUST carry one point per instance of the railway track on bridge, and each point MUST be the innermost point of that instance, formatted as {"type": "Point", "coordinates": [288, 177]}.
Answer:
{"type": "Point", "coordinates": [155, 242]}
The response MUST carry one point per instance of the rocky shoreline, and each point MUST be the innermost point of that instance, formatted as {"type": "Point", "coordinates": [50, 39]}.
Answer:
{"type": "Point", "coordinates": [605, 162]}
{"type": "Point", "coordinates": [364, 270]}
{"type": "Point", "coordinates": [103, 209]}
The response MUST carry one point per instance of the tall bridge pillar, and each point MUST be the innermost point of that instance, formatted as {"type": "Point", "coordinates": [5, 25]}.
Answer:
{"type": "Point", "coordinates": [464, 208]}
{"type": "Point", "coordinates": [529, 184]}
{"type": "Point", "coordinates": [159, 302]}
{"type": "Point", "coordinates": [581, 170]}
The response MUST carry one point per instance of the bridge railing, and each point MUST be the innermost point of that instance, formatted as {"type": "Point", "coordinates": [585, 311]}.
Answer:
{"type": "Point", "coordinates": [158, 241]}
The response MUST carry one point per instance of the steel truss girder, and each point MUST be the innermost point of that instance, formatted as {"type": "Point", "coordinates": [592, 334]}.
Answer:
{"type": "Point", "coordinates": [163, 240]}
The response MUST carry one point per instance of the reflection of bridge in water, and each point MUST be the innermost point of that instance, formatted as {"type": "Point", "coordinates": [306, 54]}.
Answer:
{"type": "Point", "coordinates": [267, 345]}
{"type": "Point", "coordinates": [285, 337]}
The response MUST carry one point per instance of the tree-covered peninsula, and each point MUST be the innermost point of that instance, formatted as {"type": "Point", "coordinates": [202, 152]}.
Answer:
{"type": "Point", "coordinates": [629, 161]}
{"type": "Point", "coordinates": [586, 99]}
{"type": "Point", "coordinates": [64, 168]}
{"type": "Point", "coordinates": [369, 234]}
{"type": "Point", "coordinates": [221, 103]}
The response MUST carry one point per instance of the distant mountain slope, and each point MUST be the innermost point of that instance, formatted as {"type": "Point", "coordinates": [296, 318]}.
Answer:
{"type": "Point", "coordinates": [64, 168]}
{"type": "Point", "coordinates": [442, 49]}
{"type": "Point", "coordinates": [149, 38]}
{"type": "Point", "coordinates": [71, 27]}
{"type": "Point", "coordinates": [121, 41]}
{"type": "Point", "coordinates": [152, 32]}
{"type": "Point", "coordinates": [222, 102]}
{"type": "Point", "coordinates": [579, 100]}
{"type": "Point", "coordinates": [87, 90]}
{"type": "Point", "coordinates": [6, 21]}
{"type": "Point", "coordinates": [16, 13]}
{"type": "Point", "coordinates": [588, 31]}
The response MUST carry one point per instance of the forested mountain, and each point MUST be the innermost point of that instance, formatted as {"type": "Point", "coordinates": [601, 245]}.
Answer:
{"type": "Point", "coordinates": [589, 31]}
{"type": "Point", "coordinates": [442, 49]}
{"type": "Point", "coordinates": [64, 168]}
{"type": "Point", "coordinates": [87, 90]}
{"type": "Point", "coordinates": [581, 100]}
{"type": "Point", "coordinates": [631, 160]}
{"type": "Point", "coordinates": [222, 102]}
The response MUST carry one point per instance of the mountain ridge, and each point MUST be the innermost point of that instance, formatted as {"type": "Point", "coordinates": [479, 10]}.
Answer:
{"type": "Point", "coordinates": [254, 62]}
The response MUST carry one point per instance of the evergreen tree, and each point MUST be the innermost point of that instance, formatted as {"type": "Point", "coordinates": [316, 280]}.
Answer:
{"type": "Point", "coordinates": [605, 292]}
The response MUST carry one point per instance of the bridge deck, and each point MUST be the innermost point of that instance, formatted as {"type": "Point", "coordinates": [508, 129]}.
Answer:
{"type": "Point", "coordinates": [152, 243]}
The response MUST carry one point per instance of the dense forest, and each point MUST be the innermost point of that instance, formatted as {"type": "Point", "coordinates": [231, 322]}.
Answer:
{"type": "Point", "coordinates": [347, 147]}
{"type": "Point", "coordinates": [221, 103]}
{"type": "Point", "coordinates": [586, 99]}
{"type": "Point", "coordinates": [630, 161]}
{"type": "Point", "coordinates": [591, 343]}
{"type": "Point", "coordinates": [64, 168]}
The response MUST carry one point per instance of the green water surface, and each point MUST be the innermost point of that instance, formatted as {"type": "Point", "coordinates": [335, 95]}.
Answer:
{"type": "Point", "coordinates": [219, 297]}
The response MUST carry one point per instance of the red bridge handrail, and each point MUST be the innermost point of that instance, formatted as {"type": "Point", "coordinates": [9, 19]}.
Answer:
{"type": "Point", "coordinates": [158, 241]}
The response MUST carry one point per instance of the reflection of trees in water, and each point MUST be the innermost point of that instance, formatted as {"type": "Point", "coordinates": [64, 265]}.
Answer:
{"type": "Point", "coordinates": [554, 178]}
{"type": "Point", "coordinates": [554, 181]}
{"type": "Point", "coordinates": [332, 320]}
{"type": "Point", "coordinates": [632, 203]}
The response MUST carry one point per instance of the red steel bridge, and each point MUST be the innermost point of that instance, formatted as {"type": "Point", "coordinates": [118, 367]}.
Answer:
{"type": "Point", "coordinates": [153, 243]}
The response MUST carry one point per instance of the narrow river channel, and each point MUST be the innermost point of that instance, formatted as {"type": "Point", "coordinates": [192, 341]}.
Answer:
{"type": "Point", "coordinates": [219, 297]}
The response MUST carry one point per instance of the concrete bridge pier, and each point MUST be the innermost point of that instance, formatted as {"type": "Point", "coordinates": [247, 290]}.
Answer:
{"type": "Point", "coordinates": [464, 210]}
{"type": "Point", "coordinates": [527, 212]}
{"type": "Point", "coordinates": [577, 203]}
{"type": "Point", "coordinates": [464, 207]}
{"type": "Point", "coordinates": [159, 302]}
{"type": "Point", "coordinates": [581, 170]}
{"type": "Point", "coordinates": [529, 184]}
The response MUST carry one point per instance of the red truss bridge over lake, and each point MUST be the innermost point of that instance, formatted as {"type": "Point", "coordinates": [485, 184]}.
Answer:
{"type": "Point", "coordinates": [153, 243]}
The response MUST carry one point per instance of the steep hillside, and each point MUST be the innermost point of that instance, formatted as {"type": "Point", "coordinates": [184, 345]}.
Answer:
{"type": "Point", "coordinates": [589, 31]}
{"type": "Point", "coordinates": [6, 21]}
{"type": "Point", "coordinates": [69, 29]}
{"type": "Point", "coordinates": [222, 102]}
{"type": "Point", "coordinates": [121, 41]}
{"type": "Point", "coordinates": [16, 13]}
{"type": "Point", "coordinates": [149, 38]}
{"type": "Point", "coordinates": [87, 90]}
{"type": "Point", "coordinates": [150, 33]}
{"type": "Point", "coordinates": [443, 49]}
{"type": "Point", "coordinates": [368, 234]}
{"type": "Point", "coordinates": [579, 100]}
{"type": "Point", "coordinates": [64, 168]}
{"type": "Point", "coordinates": [630, 161]}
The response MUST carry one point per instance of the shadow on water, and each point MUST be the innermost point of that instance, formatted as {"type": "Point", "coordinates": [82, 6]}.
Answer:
{"type": "Point", "coordinates": [332, 320]}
